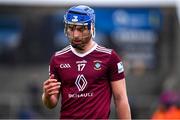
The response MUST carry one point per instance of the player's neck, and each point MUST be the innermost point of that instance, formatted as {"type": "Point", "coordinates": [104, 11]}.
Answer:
{"type": "Point", "coordinates": [87, 47]}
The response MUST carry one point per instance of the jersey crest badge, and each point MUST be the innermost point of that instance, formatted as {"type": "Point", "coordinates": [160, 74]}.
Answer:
{"type": "Point", "coordinates": [97, 65]}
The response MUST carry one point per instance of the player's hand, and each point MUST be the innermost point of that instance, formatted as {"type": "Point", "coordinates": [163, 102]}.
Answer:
{"type": "Point", "coordinates": [51, 86]}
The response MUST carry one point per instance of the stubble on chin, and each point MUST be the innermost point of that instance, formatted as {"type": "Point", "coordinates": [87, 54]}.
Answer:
{"type": "Point", "coordinates": [78, 47]}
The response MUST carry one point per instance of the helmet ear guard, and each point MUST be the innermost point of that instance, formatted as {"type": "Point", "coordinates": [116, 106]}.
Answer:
{"type": "Point", "coordinates": [65, 29]}
{"type": "Point", "coordinates": [93, 32]}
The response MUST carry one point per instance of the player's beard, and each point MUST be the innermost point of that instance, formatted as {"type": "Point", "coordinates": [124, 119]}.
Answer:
{"type": "Point", "coordinates": [84, 40]}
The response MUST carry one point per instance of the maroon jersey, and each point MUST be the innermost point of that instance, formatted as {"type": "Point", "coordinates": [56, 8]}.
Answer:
{"type": "Point", "coordinates": [85, 81]}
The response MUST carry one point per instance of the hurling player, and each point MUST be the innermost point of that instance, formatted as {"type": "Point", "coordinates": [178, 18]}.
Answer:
{"type": "Point", "coordinates": [85, 74]}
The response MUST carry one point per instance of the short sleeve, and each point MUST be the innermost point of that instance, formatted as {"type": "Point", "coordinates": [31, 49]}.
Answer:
{"type": "Point", "coordinates": [116, 69]}
{"type": "Point", "coordinates": [52, 67]}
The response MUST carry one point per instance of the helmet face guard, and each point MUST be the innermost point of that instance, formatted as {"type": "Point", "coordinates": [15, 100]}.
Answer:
{"type": "Point", "coordinates": [79, 15]}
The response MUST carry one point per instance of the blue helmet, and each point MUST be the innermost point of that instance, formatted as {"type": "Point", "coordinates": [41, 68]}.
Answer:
{"type": "Point", "coordinates": [80, 15]}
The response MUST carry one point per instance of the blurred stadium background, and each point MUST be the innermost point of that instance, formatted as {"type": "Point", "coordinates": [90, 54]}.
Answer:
{"type": "Point", "coordinates": [146, 33]}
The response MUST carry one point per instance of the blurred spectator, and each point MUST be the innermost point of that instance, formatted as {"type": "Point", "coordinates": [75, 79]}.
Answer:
{"type": "Point", "coordinates": [168, 107]}
{"type": "Point", "coordinates": [173, 112]}
{"type": "Point", "coordinates": [25, 113]}
{"type": "Point", "coordinates": [33, 92]}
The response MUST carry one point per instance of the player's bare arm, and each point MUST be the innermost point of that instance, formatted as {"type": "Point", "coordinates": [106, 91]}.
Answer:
{"type": "Point", "coordinates": [120, 99]}
{"type": "Point", "coordinates": [50, 95]}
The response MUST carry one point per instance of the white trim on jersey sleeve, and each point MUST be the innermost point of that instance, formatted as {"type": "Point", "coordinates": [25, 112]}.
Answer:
{"type": "Point", "coordinates": [103, 49]}
{"type": "Point", "coordinates": [63, 51]}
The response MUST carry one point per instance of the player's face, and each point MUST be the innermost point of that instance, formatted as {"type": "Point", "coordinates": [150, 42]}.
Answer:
{"type": "Point", "coordinates": [79, 36]}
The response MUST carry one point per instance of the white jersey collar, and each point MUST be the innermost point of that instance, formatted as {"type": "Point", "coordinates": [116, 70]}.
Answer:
{"type": "Point", "coordinates": [86, 53]}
